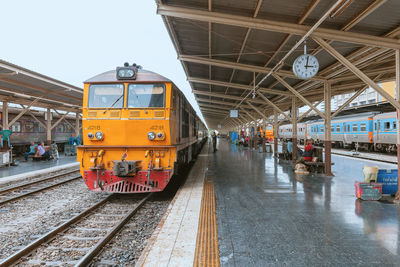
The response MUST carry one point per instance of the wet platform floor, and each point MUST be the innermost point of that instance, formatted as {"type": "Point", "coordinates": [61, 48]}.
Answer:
{"type": "Point", "coordinates": [269, 217]}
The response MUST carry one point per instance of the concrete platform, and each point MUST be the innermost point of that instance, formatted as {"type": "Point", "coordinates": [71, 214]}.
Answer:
{"type": "Point", "coordinates": [174, 241]}
{"type": "Point", "coordinates": [267, 216]}
{"type": "Point", "coordinates": [33, 168]}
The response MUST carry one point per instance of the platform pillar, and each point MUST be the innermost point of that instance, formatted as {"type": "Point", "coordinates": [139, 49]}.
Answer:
{"type": "Point", "coordinates": [294, 130]}
{"type": "Point", "coordinates": [328, 140]}
{"type": "Point", "coordinates": [275, 131]}
{"type": "Point", "coordinates": [4, 115]}
{"type": "Point", "coordinates": [48, 126]}
{"type": "Point", "coordinates": [397, 56]}
{"type": "Point", "coordinates": [77, 125]}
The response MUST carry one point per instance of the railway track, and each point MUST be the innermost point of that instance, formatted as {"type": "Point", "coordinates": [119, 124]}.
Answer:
{"type": "Point", "coordinates": [77, 241]}
{"type": "Point", "coordinates": [19, 191]}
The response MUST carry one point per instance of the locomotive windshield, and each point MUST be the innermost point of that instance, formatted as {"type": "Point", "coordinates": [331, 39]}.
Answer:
{"type": "Point", "coordinates": [146, 95]}
{"type": "Point", "coordinates": [106, 96]}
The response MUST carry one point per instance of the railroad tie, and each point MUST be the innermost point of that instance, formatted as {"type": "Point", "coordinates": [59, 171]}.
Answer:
{"type": "Point", "coordinates": [207, 252]}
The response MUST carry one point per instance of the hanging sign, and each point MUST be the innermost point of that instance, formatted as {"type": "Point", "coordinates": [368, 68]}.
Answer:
{"type": "Point", "coordinates": [234, 113]}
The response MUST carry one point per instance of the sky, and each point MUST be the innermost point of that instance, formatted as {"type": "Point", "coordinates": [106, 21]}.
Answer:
{"type": "Point", "coordinates": [75, 40]}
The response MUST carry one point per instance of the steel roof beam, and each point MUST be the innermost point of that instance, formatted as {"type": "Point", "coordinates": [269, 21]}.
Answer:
{"type": "Point", "coordinates": [239, 86]}
{"type": "Point", "coordinates": [277, 26]}
{"type": "Point", "coordinates": [238, 98]}
{"type": "Point", "coordinates": [357, 72]}
{"type": "Point", "coordinates": [240, 66]}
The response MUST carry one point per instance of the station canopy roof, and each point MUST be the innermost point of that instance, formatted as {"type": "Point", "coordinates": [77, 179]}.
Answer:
{"type": "Point", "coordinates": [225, 46]}
{"type": "Point", "coordinates": [22, 86]}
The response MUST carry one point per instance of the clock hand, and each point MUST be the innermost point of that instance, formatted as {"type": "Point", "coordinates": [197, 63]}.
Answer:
{"type": "Point", "coordinates": [306, 63]}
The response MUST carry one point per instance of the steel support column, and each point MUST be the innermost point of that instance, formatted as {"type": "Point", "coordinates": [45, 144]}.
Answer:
{"type": "Point", "coordinates": [48, 126]}
{"type": "Point", "coordinates": [328, 141]}
{"type": "Point", "coordinates": [4, 115]}
{"type": "Point", "coordinates": [397, 56]}
{"type": "Point", "coordinates": [275, 131]}
{"type": "Point", "coordinates": [294, 130]}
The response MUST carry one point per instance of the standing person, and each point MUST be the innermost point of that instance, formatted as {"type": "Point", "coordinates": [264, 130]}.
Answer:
{"type": "Point", "coordinates": [41, 151]}
{"type": "Point", "coordinates": [32, 150]}
{"type": "Point", "coordinates": [54, 150]}
{"type": "Point", "coordinates": [214, 140]}
{"type": "Point", "coordinates": [71, 140]}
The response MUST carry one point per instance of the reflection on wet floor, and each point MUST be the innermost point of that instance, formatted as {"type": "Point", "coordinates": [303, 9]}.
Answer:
{"type": "Point", "coordinates": [267, 215]}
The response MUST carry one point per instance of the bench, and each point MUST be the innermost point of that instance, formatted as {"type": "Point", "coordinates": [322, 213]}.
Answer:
{"type": "Point", "coordinates": [318, 167]}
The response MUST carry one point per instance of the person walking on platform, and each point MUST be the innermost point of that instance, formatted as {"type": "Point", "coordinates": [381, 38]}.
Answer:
{"type": "Point", "coordinates": [214, 141]}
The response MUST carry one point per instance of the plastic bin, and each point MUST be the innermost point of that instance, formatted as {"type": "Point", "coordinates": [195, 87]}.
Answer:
{"type": "Point", "coordinates": [388, 178]}
{"type": "Point", "coordinates": [368, 191]}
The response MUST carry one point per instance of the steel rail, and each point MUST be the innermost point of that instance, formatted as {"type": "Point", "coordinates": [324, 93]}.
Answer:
{"type": "Point", "coordinates": [38, 190]}
{"type": "Point", "coordinates": [99, 246]}
{"type": "Point", "coordinates": [50, 235]}
{"type": "Point", "coordinates": [11, 188]}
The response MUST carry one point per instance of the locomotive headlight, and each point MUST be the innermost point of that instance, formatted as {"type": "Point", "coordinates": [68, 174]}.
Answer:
{"type": "Point", "coordinates": [151, 135]}
{"type": "Point", "coordinates": [90, 135]}
{"type": "Point", "coordinates": [99, 135]}
{"type": "Point", "coordinates": [160, 135]}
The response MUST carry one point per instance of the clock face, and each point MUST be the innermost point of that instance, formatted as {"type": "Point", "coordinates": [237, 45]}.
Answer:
{"type": "Point", "coordinates": [305, 66]}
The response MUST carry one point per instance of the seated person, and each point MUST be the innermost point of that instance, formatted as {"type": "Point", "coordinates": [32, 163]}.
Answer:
{"type": "Point", "coordinates": [32, 150]}
{"type": "Point", "coordinates": [308, 151]}
{"type": "Point", "coordinates": [41, 152]}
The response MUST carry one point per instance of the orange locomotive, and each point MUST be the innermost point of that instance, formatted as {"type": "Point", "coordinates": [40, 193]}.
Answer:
{"type": "Point", "coordinates": [138, 129]}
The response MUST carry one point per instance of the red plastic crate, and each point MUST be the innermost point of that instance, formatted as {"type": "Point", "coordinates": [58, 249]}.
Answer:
{"type": "Point", "coordinates": [368, 191]}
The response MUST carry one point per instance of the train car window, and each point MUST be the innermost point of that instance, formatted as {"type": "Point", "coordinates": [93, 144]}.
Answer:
{"type": "Point", "coordinates": [146, 96]}
{"type": "Point", "coordinates": [386, 126]}
{"type": "Point", "coordinates": [348, 128]}
{"type": "Point", "coordinates": [29, 127]}
{"type": "Point", "coordinates": [60, 128]}
{"type": "Point", "coordinates": [355, 127]}
{"type": "Point", "coordinates": [332, 128]}
{"type": "Point", "coordinates": [363, 127]}
{"type": "Point", "coordinates": [106, 96]}
{"type": "Point", "coordinates": [375, 127]}
{"type": "Point", "coordinates": [394, 125]}
{"type": "Point", "coordinates": [337, 128]}
{"type": "Point", "coordinates": [41, 129]}
{"type": "Point", "coordinates": [16, 127]}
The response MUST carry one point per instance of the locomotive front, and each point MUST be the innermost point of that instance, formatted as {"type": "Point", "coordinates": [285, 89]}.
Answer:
{"type": "Point", "coordinates": [127, 139]}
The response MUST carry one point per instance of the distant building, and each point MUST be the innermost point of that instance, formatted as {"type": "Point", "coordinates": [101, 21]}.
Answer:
{"type": "Point", "coordinates": [369, 96]}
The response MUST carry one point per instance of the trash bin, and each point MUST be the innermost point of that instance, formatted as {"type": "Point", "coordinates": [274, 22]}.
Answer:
{"type": "Point", "coordinates": [388, 178]}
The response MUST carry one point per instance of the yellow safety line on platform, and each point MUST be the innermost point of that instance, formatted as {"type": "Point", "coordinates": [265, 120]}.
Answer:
{"type": "Point", "coordinates": [207, 252]}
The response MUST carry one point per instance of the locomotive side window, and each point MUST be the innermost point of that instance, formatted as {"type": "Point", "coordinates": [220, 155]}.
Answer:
{"type": "Point", "coordinates": [106, 96]}
{"type": "Point", "coordinates": [363, 127]}
{"type": "Point", "coordinates": [29, 127]}
{"type": "Point", "coordinates": [337, 128]}
{"type": "Point", "coordinates": [332, 128]}
{"type": "Point", "coordinates": [146, 96]}
{"type": "Point", "coordinates": [355, 127]}
{"type": "Point", "coordinates": [16, 127]}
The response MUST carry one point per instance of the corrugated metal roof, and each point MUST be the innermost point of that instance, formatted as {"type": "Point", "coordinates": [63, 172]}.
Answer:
{"type": "Point", "coordinates": [18, 83]}
{"type": "Point", "coordinates": [233, 44]}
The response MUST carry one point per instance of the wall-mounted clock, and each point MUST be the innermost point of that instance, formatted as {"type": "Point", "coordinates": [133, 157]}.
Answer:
{"type": "Point", "coordinates": [305, 66]}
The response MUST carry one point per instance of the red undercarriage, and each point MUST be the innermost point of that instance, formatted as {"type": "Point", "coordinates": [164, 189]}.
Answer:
{"type": "Point", "coordinates": [140, 183]}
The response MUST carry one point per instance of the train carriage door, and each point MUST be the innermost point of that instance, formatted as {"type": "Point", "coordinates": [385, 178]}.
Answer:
{"type": "Point", "coordinates": [346, 132]}
{"type": "Point", "coordinates": [370, 130]}
{"type": "Point", "coordinates": [378, 131]}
